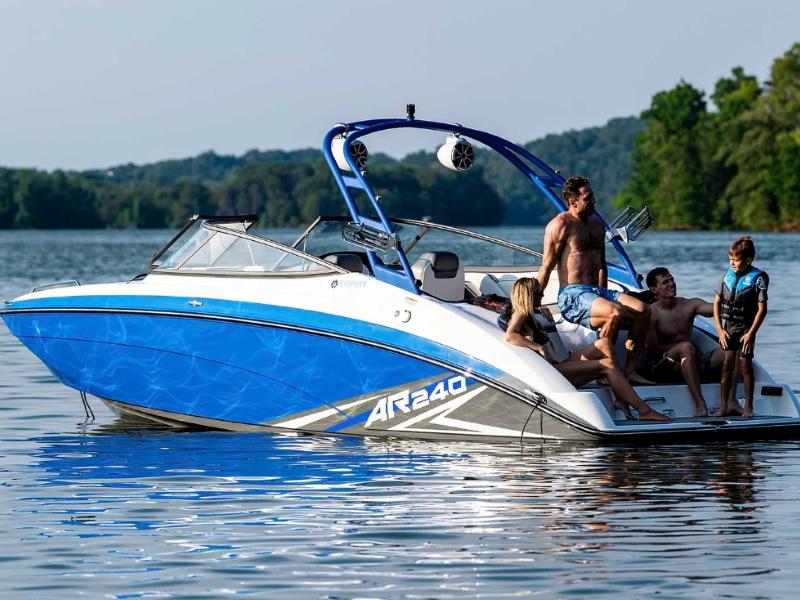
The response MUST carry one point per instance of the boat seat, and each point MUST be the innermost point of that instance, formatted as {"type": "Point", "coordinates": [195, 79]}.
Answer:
{"type": "Point", "coordinates": [483, 284]}
{"type": "Point", "coordinates": [347, 260]}
{"type": "Point", "coordinates": [441, 275]}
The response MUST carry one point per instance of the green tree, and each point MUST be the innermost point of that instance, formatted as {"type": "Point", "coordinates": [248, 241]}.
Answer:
{"type": "Point", "coordinates": [463, 198]}
{"type": "Point", "coordinates": [765, 192]}
{"type": "Point", "coordinates": [668, 168]}
{"type": "Point", "coordinates": [318, 195]}
{"type": "Point", "coordinates": [187, 198]}
{"type": "Point", "coordinates": [53, 201]}
{"type": "Point", "coordinates": [133, 205]}
{"type": "Point", "coordinates": [8, 207]}
{"type": "Point", "coordinates": [400, 190]}
{"type": "Point", "coordinates": [266, 189]}
{"type": "Point", "coordinates": [732, 96]}
{"type": "Point", "coordinates": [603, 154]}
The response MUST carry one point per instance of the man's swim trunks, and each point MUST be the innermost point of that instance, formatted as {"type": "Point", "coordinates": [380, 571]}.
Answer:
{"type": "Point", "coordinates": [575, 302]}
{"type": "Point", "coordinates": [665, 370]}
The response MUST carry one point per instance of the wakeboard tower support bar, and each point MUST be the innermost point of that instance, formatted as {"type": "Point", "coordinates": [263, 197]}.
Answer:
{"type": "Point", "coordinates": [546, 180]}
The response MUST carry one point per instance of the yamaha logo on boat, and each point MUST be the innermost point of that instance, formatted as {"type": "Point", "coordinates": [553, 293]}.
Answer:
{"type": "Point", "coordinates": [407, 401]}
{"type": "Point", "coordinates": [347, 283]}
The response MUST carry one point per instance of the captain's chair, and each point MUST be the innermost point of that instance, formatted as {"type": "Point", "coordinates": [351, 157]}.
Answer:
{"type": "Point", "coordinates": [441, 275]}
{"type": "Point", "coordinates": [349, 261]}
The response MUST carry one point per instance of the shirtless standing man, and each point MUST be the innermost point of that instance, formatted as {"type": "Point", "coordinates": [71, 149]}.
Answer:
{"type": "Point", "coordinates": [669, 341]}
{"type": "Point", "coordinates": [574, 242]}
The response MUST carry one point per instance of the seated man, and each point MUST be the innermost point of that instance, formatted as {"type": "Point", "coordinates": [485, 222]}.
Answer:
{"type": "Point", "coordinates": [669, 346]}
{"type": "Point", "coordinates": [574, 244]}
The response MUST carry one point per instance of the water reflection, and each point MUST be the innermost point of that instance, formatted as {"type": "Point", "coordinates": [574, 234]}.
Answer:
{"type": "Point", "coordinates": [328, 510]}
{"type": "Point", "coordinates": [584, 481]}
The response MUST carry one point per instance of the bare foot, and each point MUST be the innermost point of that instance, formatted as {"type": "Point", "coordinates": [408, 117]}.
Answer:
{"type": "Point", "coordinates": [700, 410]}
{"type": "Point", "coordinates": [637, 379]}
{"type": "Point", "coordinates": [619, 405]}
{"type": "Point", "coordinates": [733, 410]}
{"type": "Point", "coordinates": [652, 415]}
{"type": "Point", "coordinates": [729, 410]}
{"type": "Point", "coordinates": [747, 413]}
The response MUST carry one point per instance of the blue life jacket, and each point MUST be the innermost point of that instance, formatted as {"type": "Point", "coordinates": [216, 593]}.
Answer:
{"type": "Point", "coordinates": [740, 294]}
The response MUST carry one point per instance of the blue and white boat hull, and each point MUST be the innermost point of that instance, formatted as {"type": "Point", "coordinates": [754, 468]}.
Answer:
{"type": "Point", "coordinates": [238, 364]}
{"type": "Point", "coordinates": [245, 365]}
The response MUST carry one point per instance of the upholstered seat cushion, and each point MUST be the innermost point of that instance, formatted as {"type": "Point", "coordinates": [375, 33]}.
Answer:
{"type": "Point", "coordinates": [441, 275]}
{"type": "Point", "coordinates": [348, 261]}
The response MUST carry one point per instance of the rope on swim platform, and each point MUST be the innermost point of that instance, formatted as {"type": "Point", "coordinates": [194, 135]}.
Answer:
{"type": "Point", "coordinates": [538, 400]}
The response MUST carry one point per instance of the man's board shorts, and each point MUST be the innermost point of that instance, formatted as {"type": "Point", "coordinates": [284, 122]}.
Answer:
{"type": "Point", "coordinates": [575, 301]}
{"type": "Point", "coordinates": [664, 370]}
{"type": "Point", "coordinates": [735, 333]}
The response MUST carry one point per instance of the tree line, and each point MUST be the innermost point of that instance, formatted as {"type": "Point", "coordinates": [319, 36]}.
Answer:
{"type": "Point", "coordinates": [730, 163]}
{"type": "Point", "coordinates": [736, 166]}
{"type": "Point", "coordinates": [291, 188]}
{"type": "Point", "coordinates": [283, 194]}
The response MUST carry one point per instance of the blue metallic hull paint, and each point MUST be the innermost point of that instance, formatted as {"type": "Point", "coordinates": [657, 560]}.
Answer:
{"type": "Point", "coordinates": [264, 313]}
{"type": "Point", "coordinates": [212, 369]}
{"type": "Point", "coordinates": [249, 373]}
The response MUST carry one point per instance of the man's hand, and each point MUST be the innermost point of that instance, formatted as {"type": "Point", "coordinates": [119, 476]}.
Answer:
{"type": "Point", "coordinates": [723, 339]}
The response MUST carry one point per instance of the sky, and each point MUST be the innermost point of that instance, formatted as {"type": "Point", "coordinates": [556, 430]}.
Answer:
{"type": "Point", "coordinates": [96, 83]}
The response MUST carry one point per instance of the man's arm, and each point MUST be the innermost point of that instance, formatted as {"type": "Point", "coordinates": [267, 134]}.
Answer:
{"type": "Point", "coordinates": [702, 308]}
{"type": "Point", "coordinates": [553, 246]}
{"type": "Point", "coordinates": [602, 272]}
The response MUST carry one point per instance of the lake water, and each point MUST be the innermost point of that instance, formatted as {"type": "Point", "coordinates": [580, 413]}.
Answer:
{"type": "Point", "coordinates": [98, 510]}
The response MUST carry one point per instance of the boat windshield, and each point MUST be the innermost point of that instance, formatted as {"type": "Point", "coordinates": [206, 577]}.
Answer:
{"type": "Point", "coordinates": [224, 246]}
{"type": "Point", "coordinates": [418, 237]}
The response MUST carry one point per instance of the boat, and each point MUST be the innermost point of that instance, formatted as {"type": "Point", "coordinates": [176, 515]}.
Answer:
{"type": "Point", "coordinates": [366, 325]}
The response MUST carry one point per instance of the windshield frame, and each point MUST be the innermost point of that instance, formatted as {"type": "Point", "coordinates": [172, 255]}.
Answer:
{"type": "Point", "coordinates": [425, 225]}
{"type": "Point", "coordinates": [211, 224]}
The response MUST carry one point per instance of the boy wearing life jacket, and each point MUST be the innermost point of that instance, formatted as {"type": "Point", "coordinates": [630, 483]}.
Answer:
{"type": "Point", "coordinates": [739, 309]}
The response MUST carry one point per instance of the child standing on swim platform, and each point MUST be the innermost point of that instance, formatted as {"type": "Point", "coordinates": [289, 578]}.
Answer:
{"type": "Point", "coordinates": [739, 310]}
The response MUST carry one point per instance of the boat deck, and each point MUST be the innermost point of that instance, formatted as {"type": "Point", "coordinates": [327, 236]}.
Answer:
{"type": "Point", "coordinates": [707, 420]}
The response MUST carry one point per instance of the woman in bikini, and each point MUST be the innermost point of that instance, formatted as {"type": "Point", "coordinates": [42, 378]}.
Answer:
{"type": "Point", "coordinates": [593, 361]}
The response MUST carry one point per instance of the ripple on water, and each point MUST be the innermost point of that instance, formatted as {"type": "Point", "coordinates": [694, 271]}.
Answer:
{"type": "Point", "coordinates": [107, 509]}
